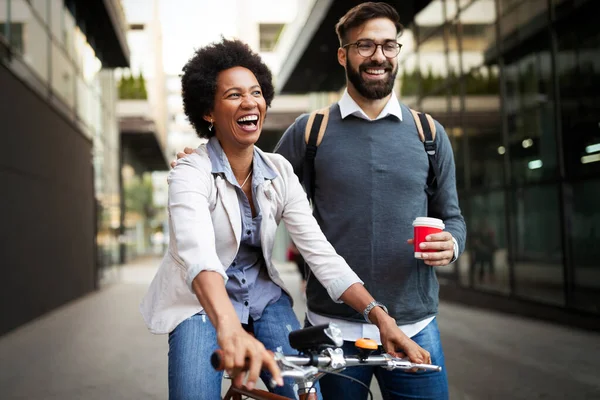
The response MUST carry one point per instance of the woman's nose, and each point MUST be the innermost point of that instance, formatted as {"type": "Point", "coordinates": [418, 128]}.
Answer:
{"type": "Point", "coordinates": [248, 102]}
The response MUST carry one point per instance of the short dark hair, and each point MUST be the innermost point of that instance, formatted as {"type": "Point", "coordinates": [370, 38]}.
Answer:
{"type": "Point", "coordinates": [364, 12]}
{"type": "Point", "coordinates": [199, 80]}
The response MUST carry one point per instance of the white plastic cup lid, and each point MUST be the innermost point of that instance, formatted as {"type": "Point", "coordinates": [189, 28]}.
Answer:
{"type": "Point", "coordinates": [427, 221]}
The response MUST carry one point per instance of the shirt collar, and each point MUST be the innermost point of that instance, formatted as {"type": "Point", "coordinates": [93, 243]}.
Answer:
{"type": "Point", "coordinates": [349, 107]}
{"type": "Point", "coordinates": [220, 164]}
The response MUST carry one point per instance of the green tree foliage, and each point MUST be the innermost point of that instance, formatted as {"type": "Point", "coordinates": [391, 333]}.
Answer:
{"type": "Point", "coordinates": [477, 82]}
{"type": "Point", "coordinates": [138, 196]}
{"type": "Point", "coordinates": [131, 88]}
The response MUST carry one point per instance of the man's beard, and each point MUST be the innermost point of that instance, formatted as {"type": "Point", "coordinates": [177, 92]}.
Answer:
{"type": "Point", "coordinates": [372, 90]}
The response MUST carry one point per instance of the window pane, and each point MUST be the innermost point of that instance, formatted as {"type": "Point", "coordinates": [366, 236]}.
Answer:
{"type": "Point", "coordinates": [430, 17]}
{"type": "Point", "coordinates": [63, 76]}
{"type": "Point", "coordinates": [456, 133]}
{"type": "Point", "coordinates": [83, 102]}
{"type": "Point", "coordinates": [14, 34]}
{"type": "Point", "coordinates": [41, 9]}
{"type": "Point", "coordinates": [430, 27]}
{"type": "Point", "coordinates": [269, 34]}
{"type": "Point", "coordinates": [69, 33]}
{"type": "Point", "coordinates": [585, 236]}
{"type": "Point", "coordinates": [478, 32]}
{"type": "Point", "coordinates": [578, 65]}
{"type": "Point", "coordinates": [530, 112]}
{"type": "Point", "coordinates": [487, 245]}
{"type": "Point", "coordinates": [35, 40]}
{"type": "Point", "coordinates": [483, 125]}
{"type": "Point", "coordinates": [520, 17]}
{"type": "Point", "coordinates": [537, 243]}
{"type": "Point", "coordinates": [56, 20]}
{"type": "Point", "coordinates": [408, 77]}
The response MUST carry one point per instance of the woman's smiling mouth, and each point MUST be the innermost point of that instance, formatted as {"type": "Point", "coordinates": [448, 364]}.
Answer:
{"type": "Point", "coordinates": [248, 123]}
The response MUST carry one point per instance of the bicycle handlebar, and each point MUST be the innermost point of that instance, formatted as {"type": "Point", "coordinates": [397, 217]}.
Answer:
{"type": "Point", "coordinates": [336, 360]}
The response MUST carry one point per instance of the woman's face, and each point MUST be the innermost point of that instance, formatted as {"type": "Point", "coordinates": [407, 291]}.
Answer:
{"type": "Point", "coordinates": [240, 108]}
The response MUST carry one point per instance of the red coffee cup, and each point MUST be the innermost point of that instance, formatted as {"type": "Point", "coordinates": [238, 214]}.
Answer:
{"type": "Point", "coordinates": [425, 226]}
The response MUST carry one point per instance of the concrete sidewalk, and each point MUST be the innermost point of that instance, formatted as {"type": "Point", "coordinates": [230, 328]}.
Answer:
{"type": "Point", "coordinates": [98, 348]}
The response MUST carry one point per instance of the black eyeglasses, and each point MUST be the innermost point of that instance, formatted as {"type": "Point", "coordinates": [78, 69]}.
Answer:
{"type": "Point", "coordinates": [367, 48]}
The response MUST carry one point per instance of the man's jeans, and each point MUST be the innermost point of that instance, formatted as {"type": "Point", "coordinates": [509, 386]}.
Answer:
{"type": "Point", "coordinates": [395, 384]}
{"type": "Point", "coordinates": [194, 340]}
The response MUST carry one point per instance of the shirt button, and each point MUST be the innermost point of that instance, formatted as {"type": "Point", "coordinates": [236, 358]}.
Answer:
{"type": "Point", "coordinates": [248, 232]}
{"type": "Point", "coordinates": [243, 281]}
{"type": "Point", "coordinates": [246, 303]}
{"type": "Point", "coordinates": [233, 264]}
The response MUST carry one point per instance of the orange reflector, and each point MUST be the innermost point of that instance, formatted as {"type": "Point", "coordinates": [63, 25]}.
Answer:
{"type": "Point", "coordinates": [365, 343]}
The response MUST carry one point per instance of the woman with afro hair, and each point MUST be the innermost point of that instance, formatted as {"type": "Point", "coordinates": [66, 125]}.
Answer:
{"type": "Point", "coordinates": [217, 286]}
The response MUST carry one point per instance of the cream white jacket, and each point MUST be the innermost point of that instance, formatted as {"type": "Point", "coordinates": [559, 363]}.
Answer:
{"type": "Point", "coordinates": [205, 231]}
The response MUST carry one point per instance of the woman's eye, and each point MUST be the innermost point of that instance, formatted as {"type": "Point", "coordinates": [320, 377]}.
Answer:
{"type": "Point", "coordinates": [234, 95]}
{"type": "Point", "coordinates": [257, 93]}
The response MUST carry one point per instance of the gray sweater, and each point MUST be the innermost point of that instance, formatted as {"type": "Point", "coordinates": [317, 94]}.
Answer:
{"type": "Point", "coordinates": [370, 180]}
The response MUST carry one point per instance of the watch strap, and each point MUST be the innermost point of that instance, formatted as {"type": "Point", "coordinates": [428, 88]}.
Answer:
{"type": "Point", "coordinates": [370, 307]}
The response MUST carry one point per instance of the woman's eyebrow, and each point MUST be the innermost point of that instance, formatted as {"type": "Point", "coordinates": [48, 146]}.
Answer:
{"type": "Point", "coordinates": [240, 89]}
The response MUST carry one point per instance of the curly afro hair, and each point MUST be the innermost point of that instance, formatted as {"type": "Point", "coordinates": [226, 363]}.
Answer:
{"type": "Point", "coordinates": [199, 80]}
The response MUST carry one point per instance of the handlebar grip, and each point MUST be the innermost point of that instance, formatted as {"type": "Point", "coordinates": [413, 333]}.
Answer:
{"type": "Point", "coordinates": [216, 360]}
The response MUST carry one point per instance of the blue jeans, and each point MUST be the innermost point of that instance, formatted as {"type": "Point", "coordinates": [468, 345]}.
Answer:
{"type": "Point", "coordinates": [395, 384]}
{"type": "Point", "coordinates": [193, 341]}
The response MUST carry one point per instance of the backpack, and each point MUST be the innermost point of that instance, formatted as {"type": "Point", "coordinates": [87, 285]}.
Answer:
{"type": "Point", "coordinates": [315, 130]}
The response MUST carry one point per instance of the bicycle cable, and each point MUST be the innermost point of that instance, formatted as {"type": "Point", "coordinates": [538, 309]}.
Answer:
{"type": "Point", "coordinates": [341, 376]}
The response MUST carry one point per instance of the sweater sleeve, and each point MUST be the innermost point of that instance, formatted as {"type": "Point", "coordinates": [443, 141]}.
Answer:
{"type": "Point", "coordinates": [329, 268]}
{"type": "Point", "coordinates": [444, 203]}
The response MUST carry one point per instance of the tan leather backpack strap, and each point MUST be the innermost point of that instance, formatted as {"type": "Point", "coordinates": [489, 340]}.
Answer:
{"type": "Point", "coordinates": [311, 120]}
{"type": "Point", "coordinates": [431, 125]}
{"type": "Point", "coordinates": [415, 115]}
{"type": "Point", "coordinates": [426, 129]}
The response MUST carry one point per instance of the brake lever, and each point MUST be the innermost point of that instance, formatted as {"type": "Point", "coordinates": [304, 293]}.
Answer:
{"type": "Point", "coordinates": [405, 363]}
{"type": "Point", "coordinates": [290, 370]}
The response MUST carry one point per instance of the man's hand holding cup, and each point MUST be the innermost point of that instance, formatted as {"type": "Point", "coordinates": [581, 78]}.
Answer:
{"type": "Point", "coordinates": [431, 243]}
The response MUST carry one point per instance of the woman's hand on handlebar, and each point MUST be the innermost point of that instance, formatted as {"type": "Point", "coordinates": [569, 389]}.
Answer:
{"type": "Point", "coordinates": [242, 352]}
{"type": "Point", "coordinates": [395, 342]}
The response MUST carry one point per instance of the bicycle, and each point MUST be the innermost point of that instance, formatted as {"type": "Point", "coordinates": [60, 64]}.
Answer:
{"type": "Point", "coordinates": [319, 354]}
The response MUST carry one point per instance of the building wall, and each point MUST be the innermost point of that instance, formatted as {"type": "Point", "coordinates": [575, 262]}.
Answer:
{"type": "Point", "coordinates": [47, 207]}
{"type": "Point", "coordinates": [517, 85]}
{"type": "Point", "coordinates": [58, 160]}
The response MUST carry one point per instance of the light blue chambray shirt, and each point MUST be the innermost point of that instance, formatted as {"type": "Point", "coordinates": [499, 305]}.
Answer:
{"type": "Point", "coordinates": [249, 287]}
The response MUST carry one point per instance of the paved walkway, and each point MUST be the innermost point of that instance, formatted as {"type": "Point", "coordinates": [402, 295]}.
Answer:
{"type": "Point", "coordinates": [98, 348]}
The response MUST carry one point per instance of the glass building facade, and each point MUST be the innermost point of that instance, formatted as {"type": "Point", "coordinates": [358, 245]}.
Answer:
{"type": "Point", "coordinates": [516, 83]}
{"type": "Point", "coordinates": [53, 56]}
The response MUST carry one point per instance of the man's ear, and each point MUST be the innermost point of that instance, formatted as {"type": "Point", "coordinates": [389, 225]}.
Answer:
{"type": "Point", "coordinates": [341, 54]}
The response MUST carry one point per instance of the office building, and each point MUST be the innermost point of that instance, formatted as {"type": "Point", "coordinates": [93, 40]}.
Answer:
{"type": "Point", "coordinates": [516, 83]}
{"type": "Point", "coordinates": [59, 152]}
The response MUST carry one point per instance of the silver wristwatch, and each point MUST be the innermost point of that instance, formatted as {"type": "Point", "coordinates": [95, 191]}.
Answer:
{"type": "Point", "coordinates": [371, 306]}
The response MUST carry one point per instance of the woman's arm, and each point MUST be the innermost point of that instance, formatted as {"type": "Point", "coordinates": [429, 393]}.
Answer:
{"type": "Point", "coordinates": [237, 345]}
{"type": "Point", "coordinates": [194, 236]}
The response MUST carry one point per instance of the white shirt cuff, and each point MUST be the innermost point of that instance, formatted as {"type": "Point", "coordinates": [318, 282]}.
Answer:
{"type": "Point", "coordinates": [455, 255]}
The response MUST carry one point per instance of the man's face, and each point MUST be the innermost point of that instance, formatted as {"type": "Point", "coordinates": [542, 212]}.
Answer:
{"type": "Point", "coordinates": [372, 77]}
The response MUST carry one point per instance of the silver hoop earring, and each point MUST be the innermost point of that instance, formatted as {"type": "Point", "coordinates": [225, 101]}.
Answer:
{"type": "Point", "coordinates": [211, 125]}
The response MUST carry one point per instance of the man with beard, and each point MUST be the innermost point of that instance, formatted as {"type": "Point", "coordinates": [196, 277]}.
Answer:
{"type": "Point", "coordinates": [370, 176]}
